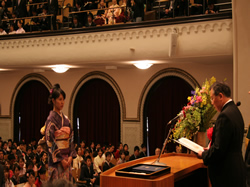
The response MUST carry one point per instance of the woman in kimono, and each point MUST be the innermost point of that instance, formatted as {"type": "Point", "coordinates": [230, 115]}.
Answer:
{"type": "Point", "coordinates": [59, 138]}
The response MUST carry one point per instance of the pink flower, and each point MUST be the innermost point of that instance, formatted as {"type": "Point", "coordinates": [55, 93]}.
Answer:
{"type": "Point", "coordinates": [210, 133]}
{"type": "Point", "coordinates": [198, 99]}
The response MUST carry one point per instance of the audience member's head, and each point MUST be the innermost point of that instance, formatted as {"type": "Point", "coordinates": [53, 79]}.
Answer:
{"type": "Point", "coordinates": [88, 161]}
{"type": "Point", "coordinates": [1, 154]}
{"type": "Point", "coordinates": [30, 176]}
{"type": "Point", "coordinates": [111, 148]}
{"type": "Point", "coordinates": [143, 147]}
{"type": "Point", "coordinates": [16, 170]}
{"type": "Point", "coordinates": [86, 153]}
{"type": "Point", "coordinates": [157, 151]}
{"type": "Point", "coordinates": [44, 156]}
{"type": "Point", "coordinates": [99, 151]}
{"type": "Point", "coordinates": [42, 173]}
{"type": "Point", "coordinates": [120, 146]}
{"type": "Point", "coordinates": [20, 24]}
{"type": "Point", "coordinates": [90, 18]}
{"type": "Point", "coordinates": [29, 164]}
{"type": "Point", "coordinates": [83, 144]}
{"type": "Point", "coordinates": [108, 156]}
{"type": "Point", "coordinates": [136, 151]}
{"type": "Point", "coordinates": [125, 147]}
{"type": "Point", "coordinates": [21, 162]}
{"type": "Point", "coordinates": [122, 154]}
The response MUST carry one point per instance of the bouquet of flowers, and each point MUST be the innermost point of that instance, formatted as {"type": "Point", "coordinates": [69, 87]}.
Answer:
{"type": "Point", "coordinates": [197, 114]}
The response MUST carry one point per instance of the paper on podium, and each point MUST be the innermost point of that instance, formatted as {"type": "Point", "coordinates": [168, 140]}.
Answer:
{"type": "Point", "coordinates": [190, 145]}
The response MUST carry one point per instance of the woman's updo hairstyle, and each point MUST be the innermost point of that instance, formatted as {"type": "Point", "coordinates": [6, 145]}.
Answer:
{"type": "Point", "coordinates": [55, 92]}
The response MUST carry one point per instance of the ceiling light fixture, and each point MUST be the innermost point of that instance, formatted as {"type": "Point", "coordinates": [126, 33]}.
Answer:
{"type": "Point", "coordinates": [61, 68]}
{"type": "Point", "coordinates": [143, 64]}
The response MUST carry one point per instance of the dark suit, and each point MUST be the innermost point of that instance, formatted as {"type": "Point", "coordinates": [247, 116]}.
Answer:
{"type": "Point", "coordinates": [107, 166]}
{"type": "Point", "coordinates": [87, 174]}
{"type": "Point", "coordinates": [138, 9]}
{"type": "Point", "coordinates": [1, 175]}
{"type": "Point", "coordinates": [224, 158]}
{"type": "Point", "coordinates": [142, 154]}
{"type": "Point", "coordinates": [133, 157]}
{"type": "Point", "coordinates": [21, 8]}
{"type": "Point", "coordinates": [53, 9]}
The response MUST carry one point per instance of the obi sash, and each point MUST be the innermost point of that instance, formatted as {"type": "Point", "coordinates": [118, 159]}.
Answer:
{"type": "Point", "coordinates": [62, 138]}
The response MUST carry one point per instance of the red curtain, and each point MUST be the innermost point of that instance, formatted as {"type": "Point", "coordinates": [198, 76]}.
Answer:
{"type": "Point", "coordinates": [31, 110]}
{"type": "Point", "coordinates": [164, 101]}
{"type": "Point", "coordinates": [97, 108]}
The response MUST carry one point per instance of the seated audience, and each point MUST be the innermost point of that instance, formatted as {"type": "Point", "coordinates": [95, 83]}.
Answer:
{"type": "Point", "coordinates": [88, 174]}
{"type": "Point", "coordinates": [107, 165]}
{"type": "Point", "coordinates": [110, 149]}
{"type": "Point", "coordinates": [143, 153]}
{"type": "Point", "coordinates": [113, 12]}
{"type": "Point", "coordinates": [136, 154]}
{"type": "Point", "coordinates": [4, 13]}
{"type": "Point", "coordinates": [98, 145]}
{"type": "Point", "coordinates": [83, 146]}
{"type": "Point", "coordinates": [30, 178]}
{"type": "Point", "coordinates": [119, 148]}
{"type": "Point", "coordinates": [157, 151]}
{"type": "Point", "coordinates": [2, 161]}
{"type": "Point", "coordinates": [44, 22]}
{"type": "Point", "coordinates": [125, 148]}
{"type": "Point", "coordinates": [16, 178]}
{"type": "Point", "coordinates": [75, 23]}
{"type": "Point", "coordinates": [82, 18]}
{"type": "Point", "coordinates": [22, 166]}
{"type": "Point", "coordinates": [7, 165]}
{"type": "Point", "coordinates": [4, 148]}
{"type": "Point", "coordinates": [122, 158]}
{"type": "Point", "coordinates": [92, 147]}
{"type": "Point", "coordinates": [43, 158]}
{"type": "Point", "coordinates": [8, 182]}
{"type": "Point", "coordinates": [90, 22]}
{"type": "Point", "coordinates": [98, 161]}
{"type": "Point", "coordinates": [20, 27]}
{"type": "Point", "coordinates": [78, 160]}
{"type": "Point", "coordinates": [211, 8]}
{"type": "Point", "coordinates": [170, 9]}
{"type": "Point", "coordinates": [41, 178]}
{"type": "Point", "coordinates": [2, 32]}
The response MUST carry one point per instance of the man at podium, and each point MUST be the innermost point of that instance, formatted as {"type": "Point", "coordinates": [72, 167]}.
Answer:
{"type": "Point", "coordinates": [224, 158]}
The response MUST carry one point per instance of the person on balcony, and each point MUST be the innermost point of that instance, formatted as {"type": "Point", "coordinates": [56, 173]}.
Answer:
{"type": "Point", "coordinates": [53, 9]}
{"type": "Point", "coordinates": [20, 8]}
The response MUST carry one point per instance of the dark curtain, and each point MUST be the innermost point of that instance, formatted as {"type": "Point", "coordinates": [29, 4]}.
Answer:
{"type": "Point", "coordinates": [98, 110]}
{"type": "Point", "coordinates": [32, 108]}
{"type": "Point", "coordinates": [164, 101]}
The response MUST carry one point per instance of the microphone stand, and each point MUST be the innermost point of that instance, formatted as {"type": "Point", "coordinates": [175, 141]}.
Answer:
{"type": "Point", "coordinates": [157, 161]}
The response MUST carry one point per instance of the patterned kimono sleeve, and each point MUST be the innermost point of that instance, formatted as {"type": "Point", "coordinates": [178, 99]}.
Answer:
{"type": "Point", "coordinates": [72, 145]}
{"type": "Point", "coordinates": [54, 152]}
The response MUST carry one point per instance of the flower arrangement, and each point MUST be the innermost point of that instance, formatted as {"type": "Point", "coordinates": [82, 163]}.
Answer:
{"type": "Point", "coordinates": [197, 114]}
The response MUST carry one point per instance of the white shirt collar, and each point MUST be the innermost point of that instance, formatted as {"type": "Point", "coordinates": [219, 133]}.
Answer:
{"type": "Point", "coordinates": [227, 102]}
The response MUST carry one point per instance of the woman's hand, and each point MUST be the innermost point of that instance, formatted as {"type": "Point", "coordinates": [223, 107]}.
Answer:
{"type": "Point", "coordinates": [64, 164]}
{"type": "Point", "coordinates": [70, 160]}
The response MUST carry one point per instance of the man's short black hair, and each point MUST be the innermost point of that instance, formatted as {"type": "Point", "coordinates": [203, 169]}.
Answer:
{"type": "Point", "coordinates": [88, 157]}
{"type": "Point", "coordinates": [136, 148]}
{"type": "Point", "coordinates": [143, 145]}
{"type": "Point", "coordinates": [107, 154]}
{"type": "Point", "coordinates": [220, 87]}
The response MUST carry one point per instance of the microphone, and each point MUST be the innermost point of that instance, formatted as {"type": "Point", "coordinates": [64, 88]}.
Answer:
{"type": "Point", "coordinates": [176, 117]}
{"type": "Point", "coordinates": [238, 103]}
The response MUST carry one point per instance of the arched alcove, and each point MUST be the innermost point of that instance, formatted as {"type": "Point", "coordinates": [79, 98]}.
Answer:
{"type": "Point", "coordinates": [29, 108]}
{"type": "Point", "coordinates": [163, 97]}
{"type": "Point", "coordinates": [96, 109]}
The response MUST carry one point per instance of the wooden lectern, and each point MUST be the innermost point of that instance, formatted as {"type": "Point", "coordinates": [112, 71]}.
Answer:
{"type": "Point", "coordinates": [186, 170]}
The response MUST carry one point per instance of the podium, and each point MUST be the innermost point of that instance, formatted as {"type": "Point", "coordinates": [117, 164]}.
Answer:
{"type": "Point", "coordinates": [186, 170]}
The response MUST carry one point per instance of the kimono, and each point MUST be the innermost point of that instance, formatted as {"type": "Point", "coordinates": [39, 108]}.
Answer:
{"type": "Point", "coordinates": [59, 140]}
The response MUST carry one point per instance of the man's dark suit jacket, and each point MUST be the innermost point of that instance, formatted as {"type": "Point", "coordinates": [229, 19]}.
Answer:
{"type": "Point", "coordinates": [142, 154]}
{"type": "Point", "coordinates": [224, 158]}
{"type": "Point", "coordinates": [107, 167]}
{"type": "Point", "coordinates": [86, 175]}
{"type": "Point", "coordinates": [53, 7]}
{"type": "Point", "coordinates": [21, 9]}
{"type": "Point", "coordinates": [1, 175]}
{"type": "Point", "coordinates": [133, 157]}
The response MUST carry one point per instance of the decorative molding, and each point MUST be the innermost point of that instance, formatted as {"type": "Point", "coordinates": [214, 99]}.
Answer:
{"type": "Point", "coordinates": [112, 36]}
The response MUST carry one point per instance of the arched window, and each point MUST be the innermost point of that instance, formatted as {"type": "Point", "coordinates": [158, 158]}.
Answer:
{"type": "Point", "coordinates": [164, 101]}
{"type": "Point", "coordinates": [96, 113]}
{"type": "Point", "coordinates": [30, 110]}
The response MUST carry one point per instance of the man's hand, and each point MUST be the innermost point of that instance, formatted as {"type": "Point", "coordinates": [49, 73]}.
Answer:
{"type": "Point", "coordinates": [199, 155]}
